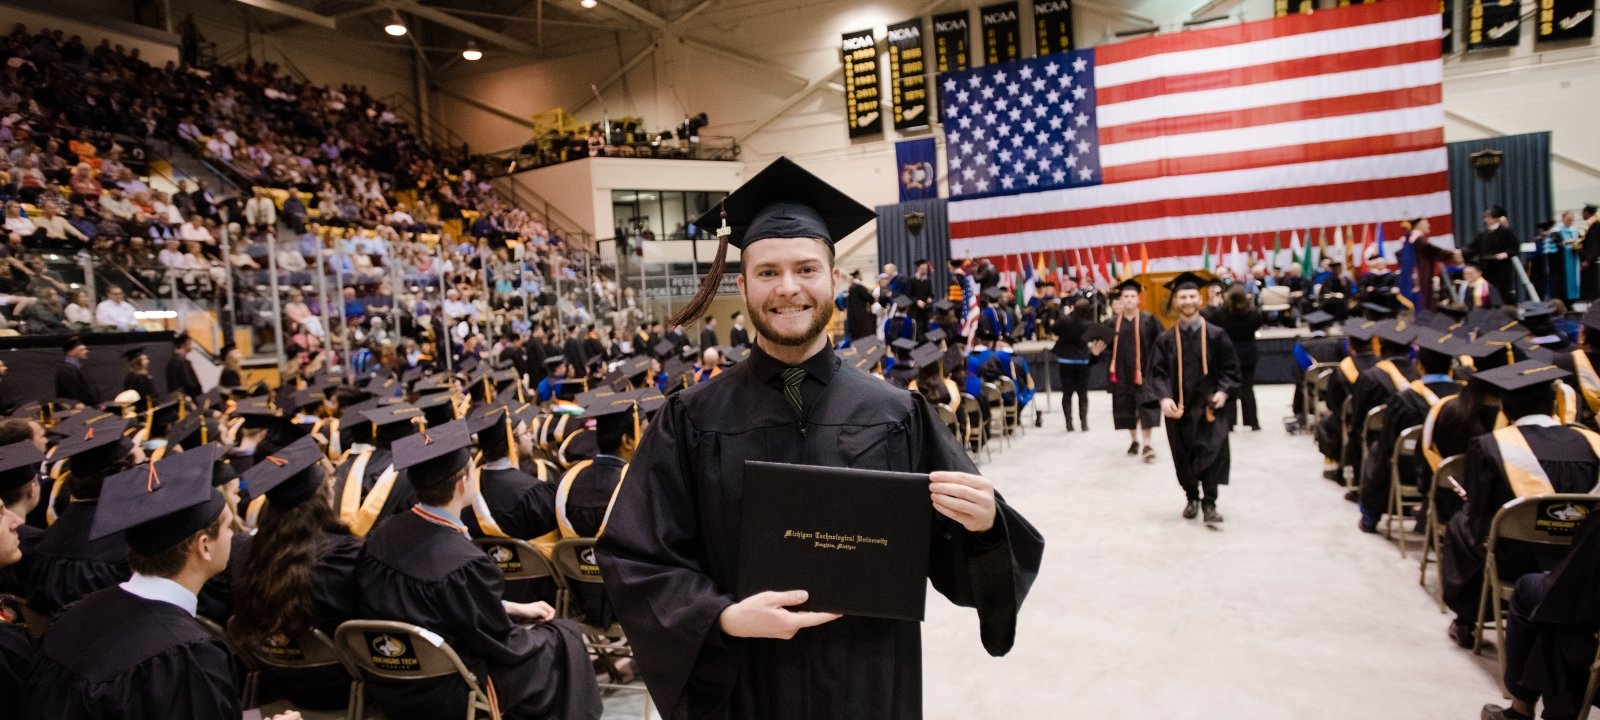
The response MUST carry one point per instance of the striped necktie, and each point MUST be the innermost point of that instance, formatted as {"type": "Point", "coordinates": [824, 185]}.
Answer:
{"type": "Point", "coordinates": [791, 388]}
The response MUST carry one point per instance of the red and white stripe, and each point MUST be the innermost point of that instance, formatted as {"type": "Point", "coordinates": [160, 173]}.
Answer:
{"type": "Point", "coordinates": [1307, 121]}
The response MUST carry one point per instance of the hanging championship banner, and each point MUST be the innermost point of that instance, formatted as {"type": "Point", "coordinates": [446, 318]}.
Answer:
{"type": "Point", "coordinates": [1447, 42]}
{"type": "Point", "coordinates": [863, 103]}
{"type": "Point", "coordinates": [1052, 26]}
{"type": "Point", "coordinates": [952, 42]}
{"type": "Point", "coordinates": [1494, 24]}
{"type": "Point", "coordinates": [1002, 33]}
{"type": "Point", "coordinates": [1281, 8]}
{"type": "Point", "coordinates": [908, 79]}
{"type": "Point", "coordinates": [1565, 20]}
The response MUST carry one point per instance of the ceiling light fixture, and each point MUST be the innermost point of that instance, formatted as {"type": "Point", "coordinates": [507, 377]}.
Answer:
{"type": "Point", "coordinates": [588, 3]}
{"type": "Point", "coordinates": [471, 52]}
{"type": "Point", "coordinates": [395, 27]}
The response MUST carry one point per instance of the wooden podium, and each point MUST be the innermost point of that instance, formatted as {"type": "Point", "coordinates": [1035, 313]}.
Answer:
{"type": "Point", "coordinates": [1156, 297]}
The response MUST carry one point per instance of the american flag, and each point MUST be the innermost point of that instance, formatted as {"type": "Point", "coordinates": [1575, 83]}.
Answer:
{"type": "Point", "coordinates": [1251, 131]}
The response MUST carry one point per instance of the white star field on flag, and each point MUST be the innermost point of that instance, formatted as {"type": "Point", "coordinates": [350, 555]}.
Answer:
{"type": "Point", "coordinates": [1021, 126]}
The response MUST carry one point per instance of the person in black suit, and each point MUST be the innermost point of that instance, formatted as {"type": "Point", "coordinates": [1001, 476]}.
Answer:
{"type": "Point", "coordinates": [708, 334]}
{"type": "Point", "coordinates": [920, 288]}
{"type": "Point", "coordinates": [180, 374]}
{"type": "Point", "coordinates": [1493, 250]}
{"type": "Point", "coordinates": [1073, 359]}
{"type": "Point", "coordinates": [71, 383]}
{"type": "Point", "coordinates": [738, 336]}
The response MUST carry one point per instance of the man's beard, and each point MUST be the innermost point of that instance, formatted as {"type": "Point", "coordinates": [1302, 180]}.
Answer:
{"type": "Point", "coordinates": [824, 315]}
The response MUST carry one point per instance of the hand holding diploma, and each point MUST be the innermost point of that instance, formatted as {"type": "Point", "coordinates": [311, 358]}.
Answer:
{"type": "Point", "coordinates": [966, 499]}
{"type": "Point", "coordinates": [766, 615]}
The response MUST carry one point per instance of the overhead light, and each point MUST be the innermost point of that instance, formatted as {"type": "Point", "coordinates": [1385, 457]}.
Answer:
{"type": "Point", "coordinates": [588, 3]}
{"type": "Point", "coordinates": [395, 27]}
{"type": "Point", "coordinates": [471, 52]}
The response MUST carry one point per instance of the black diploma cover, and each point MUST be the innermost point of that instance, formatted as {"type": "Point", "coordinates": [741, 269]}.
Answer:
{"type": "Point", "coordinates": [856, 540]}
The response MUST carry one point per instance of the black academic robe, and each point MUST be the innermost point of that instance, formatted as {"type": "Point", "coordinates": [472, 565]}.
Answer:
{"type": "Point", "coordinates": [670, 552]}
{"type": "Point", "coordinates": [216, 596]}
{"type": "Point", "coordinates": [1200, 452]}
{"type": "Point", "coordinates": [72, 384]}
{"type": "Point", "coordinates": [182, 378]}
{"type": "Point", "coordinates": [140, 383]}
{"type": "Point", "coordinates": [1499, 273]}
{"type": "Point", "coordinates": [1373, 387]}
{"type": "Point", "coordinates": [333, 601]}
{"type": "Point", "coordinates": [14, 577]}
{"type": "Point", "coordinates": [229, 378]}
{"type": "Point", "coordinates": [1381, 289]}
{"type": "Point", "coordinates": [738, 337]}
{"type": "Point", "coordinates": [573, 352]}
{"type": "Point", "coordinates": [587, 501]}
{"type": "Point", "coordinates": [16, 656]}
{"type": "Point", "coordinates": [1129, 358]}
{"type": "Point", "coordinates": [67, 566]}
{"type": "Point", "coordinates": [1407, 409]}
{"type": "Point", "coordinates": [1331, 432]}
{"type": "Point", "coordinates": [1566, 619]}
{"type": "Point", "coordinates": [524, 508]}
{"type": "Point", "coordinates": [1320, 348]}
{"type": "Point", "coordinates": [708, 338]}
{"type": "Point", "coordinates": [117, 655]}
{"type": "Point", "coordinates": [401, 495]}
{"type": "Point", "coordinates": [859, 320]}
{"type": "Point", "coordinates": [417, 571]}
{"type": "Point", "coordinates": [1572, 468]}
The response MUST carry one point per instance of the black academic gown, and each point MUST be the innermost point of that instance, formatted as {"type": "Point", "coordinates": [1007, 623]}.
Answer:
{"type": "Point", "coordinates": [738, 337]}
{"type": "Point", "coordinates": [1200, 452]}
{"type": "Point", "coordinates": [417, 571]}
{"type": "Point", "coordinates": [670, 552]}
{"type": "Point", "coordinates": [1407, 409]}
{"type": "Point", "coordinates": [1331, 432]}
{"type": "Point", "coordinates": [1572, 468]}
{"type": "Point", "coordinates": [401, 495]}
{"type": "Point", "coordinates": [16, 656]}
{"type": "Point", "coordinates": [216, 596]}
{"type": "Point", "coordinates": [72, 384]}
{"type": "Point", "coordinates": [182, 378]}
{"type": "Point", "coordinates": [708, 338]}
{"type": "Point", "coordinates": [117, 655]}
{"type": "Point", "coordinates": [1499, 273]}
{"type": "Point", "coordinates": [1126, 355]}
{"type": "Point", "coordinates": [587, 501]}
{"type": "Point", "coordinates": [1566, 619]}
{"type": "Point", "coordinates": [525, 509]}
{"type": "Point", "coordinates": [858, 318]}
{"type": "Point", "coordinates": [67, 566]}
{"type": "Point", "coordinates": [140, 383]}
{"type": "Point", "coordinates": [1320, 348]}
{"type": "Point", "coordinates": [1373, 387]}
{"type": "Point", "coordinates": [333, 601]}
{"type": "Point", "coordinates": [14, 577]}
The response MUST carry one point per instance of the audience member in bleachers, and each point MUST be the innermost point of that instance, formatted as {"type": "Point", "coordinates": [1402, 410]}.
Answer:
{"type": "Point", "coordinates": [115, 312]}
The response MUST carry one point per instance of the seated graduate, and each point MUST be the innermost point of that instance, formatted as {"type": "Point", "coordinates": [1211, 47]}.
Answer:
{"type": "Point", "coordinates": [19, 492]}
{"type": "Point", "coordinates": [902, 371]}
{"type": "Point", "coordinates": [507, 502]}
{"type": "Point", "coordinates": [1550, 634]}
{"type": "Point", "coordinates": [1310, 350]}
{"type": "Point", "coordinates": [1378, 385]}
{"type": "Point", "coordinates": [16, 649]}
{"type": "Point", "coordinates": [1331, 434]}
{"type": "Point", "coordinates": [588, 488]}
{"type": "Point", "coordinates": [1436, 354]}
{"type": "Point", "coordinates": [296, 574]}
{"type": "Point", "coordinates": [1535, 455]}
{"type": "Point", "coordinates": [69, 564]}
{"type": "Point", "coordinates": [556, 371]}
{"type": "Point", "coordinates": [135, 649]}
{"type": "Point", "coordinates": [420, 567]}
{"type": "Point", "coordinates": [379, 489]}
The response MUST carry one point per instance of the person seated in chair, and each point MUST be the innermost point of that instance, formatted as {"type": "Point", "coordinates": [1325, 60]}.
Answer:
{"type": "Point", "coordinates": [1534, 455]}
{"type": "Point", "coordinates": [507, 501]}
{"type": "Point", "coordinates": [420, 567]}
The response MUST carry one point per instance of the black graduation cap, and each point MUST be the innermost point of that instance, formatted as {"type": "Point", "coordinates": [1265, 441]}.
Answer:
{"type": "Point", "coordinates": [663, 349]}
{"type": "Point", "coordinates": [674, 368]}
{"type": "Point", "coordinates": [440, 382]}
{"type": "Point", "coordinates": [568, 389]}
{"type": "Point", "coordinates": [1441, 321]}
{"type": "Point", "coordinates": [258, 413]}
{"type": "Point", "coordinates": [71, 343]}
{"type": "Point", "coordinates": [943, 305]}
{"type": "Point", "coordinates": [19, 464]}
{"type": "Point", "coordinates": [1505, 337]}
{"type": "Point", "coordinates": [75, 423]}
{"type": "Point", "coordinates": [214, 398]}
{"type": "Point", "coordinates": [785, 201]}
{"type": "Point", "coordinates": [306, 398]}
{"type": "Point", "coordinates": [159, 504]}
{"type": "Point", "coordinates": [1317, 318]}
{"type": "Point", "coordinates": [94, 447]}
{"type": "Point", "coordinates": [185, 433]}
{"type": "Point", "coordinates": [1375, 311]}
{"type": "Point", "coordinates": [222, 471]}
{"type": "Point", "coordinates": [1479, 350]}
{"type": "Point", "coordinates": [502, 378]}
{"type": "Point", "coordinates": [1591, 318]}
{"type": "Point", "coordinates": [902, 302]}
{"type": "Point", "coordinates": [1534, 309]}
{"type": "Point", "coordinates": [904, 345]}
{"type": "Point", "coordinates": [433, 457]}
{"type": "Point", "coordinates": [736, 354]}
{"type": "Point", "coordinates": [555, 361]}
{"type": "Point", "coordinates": [993, 293]}
{"type": "Point", "coordinates": [1396, 332]}
{"type": "Point", "coordinates": [634, 367]}
{"type": "Point", "coordinates": [649, 400]}
{"type": "Point", "coordinates": [1129, 284]}
{"type": "Point", "coordinates": [393, 421]}
{"type": "Point", "coordinates": [927, 355]}
{"type": "Point", "coordinates": [1487, 319]}
{"type": "Point", "coordinates": [595, 397]}
{"type": "Point", "coordinates": [1543, 354]}
{"type": "Point", "coordinates": [489, 424]}
{"type": "Point", "coordinates": [1185, 280]}
{"type": "Point", "coordinates": [1517, 376]}
{"type": "Point", "coordinates": [410, 375]}
{"type": "Point", "coordinates": [130, 355]}
{"type": "Point", "coordinates": [1438, 342]}
{"type": "Point", "coordinates": [1362, 330]}
{"type": "Point", "coordinates": [437, 408]}
{"type": "Point", "coordinates": [935, 335]}
{"type": "Point", "coordinates": [383, 387]}
{"type": "Point", "coordinates": [289, 476]}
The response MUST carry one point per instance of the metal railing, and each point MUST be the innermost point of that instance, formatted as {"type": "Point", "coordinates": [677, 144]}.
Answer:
{"type": "Point", "coordinates": [555, 149]}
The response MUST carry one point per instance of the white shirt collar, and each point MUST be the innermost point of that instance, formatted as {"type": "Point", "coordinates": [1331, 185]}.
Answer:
{"type": "Point", "coordinates": [1538, 421]}
{"type": "Point", "coordinates": [150, 587]}
{"type": "Point", "coordinates": [500, 464]}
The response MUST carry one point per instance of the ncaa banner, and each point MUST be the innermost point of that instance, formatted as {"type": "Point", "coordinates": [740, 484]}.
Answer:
{"type": "Point", "coordinates": [915, 163]}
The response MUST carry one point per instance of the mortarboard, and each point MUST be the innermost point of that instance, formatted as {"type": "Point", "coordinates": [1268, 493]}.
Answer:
{"type": "Point", "coordinates": [615, 417]}
{"type": "Point", "coordinates": [383, 387]}
{"type": "Point", "coordinates": [1318, 317]}
{"type": "Point", "coordinates": [222, 472]}
{"type": "Point", "coordinates": [133, 354]}
{"type": "Point", "coordinates": [568, 389]}
{"type": "Point", "coordinates": [393, 421]}
{"type": "Point", "coordinates": [902, 302]}
{"type": "Point", "coordinates": [19, 465]}
{"type": "Point", "coordinates": [159, 504]}
{"type": "Point", "coordinates": [737, 354]}
{"type": "Point", "coordinates": [904, 345]}
{"type": "Point", "coordinates": [555, 361]}
{"type": "Point", "coordinates": [410, 375]}
{"type": "Point", "coordinates": [1478, 350]}
{"type": "Point", "coordinates": [1543, 354]}
{"type": "Point", "coordinates": [437, 408]}
{"type": "Point", "coordinates": [289, 476]}
{"type": "Point", "coordinates": [1517, 376]}
{"type": "Point", "coordinates": [440, 382]}
{"type": "Point", "coordinates": [649, 400]}
{"type": "Point", "coordinates": [1185, 280]}
{"type": "Point", "coordinates": [1591, 320]}
{"type": "Point", "coordinates": [1362, 330]}
{"type": "Point", "coordinates": [258, 413]}
{"type": "Point", "coordinates": [663, 349]}
{"type": "Point", "coordinates": [943, 305]}
{"type": "Point", "coordinates": [95, 447]}
{"type": "Point", "coordinates": [72, 343]}
{"type": "Point", "coordinates": [1438, 342]}
{"type": "Point", "coordinates": [186, 433]}
{"type": "Point", "coordinates": [75, 423]}
{"type": "Point", "coordinates": [927, 355]}
{"type": "Point", "coordinates": [1375, 311]}
{"type": "Point", "coordinates": [433, 457]}
{"type": "Point", "coordinates": [1396, 332]}
{"type": "Point", "coordinates": [992, 293]}
{"type": "Point", "coordinates": [936, 335]}
{"type": "Point", "coordinates": [634, 367]}
{"type": "Point", "coordinates": [1127, 285]}
{"type": "Point", "coordinates": [595, 397]}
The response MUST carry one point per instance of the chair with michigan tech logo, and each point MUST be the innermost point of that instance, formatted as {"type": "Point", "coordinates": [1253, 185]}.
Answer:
{"type": "Point", "coordinates": [311, 651]}
{"type": "Point", "coordinates": [403, 652]}
{"type": "Point", "coordinates": [1402, 496]}
{"type": "Point", "coordinates": [1445, 479]}
{"type": "Point", "coordinates": [1549, 520]}
{"type": "Point", "coordinates": [520, 561]}
{"type": "Point", "coordinates": [575, 562]}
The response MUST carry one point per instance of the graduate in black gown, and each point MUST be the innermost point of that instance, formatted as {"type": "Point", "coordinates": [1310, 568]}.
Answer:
{"type": "Point", "coordinates": [508, 502]}
{"type": "Point", "coordinates": [1311, 350]}
{"type": "Point", "coordinates": [1133, 331]}
{"type": "Point", "coordinates": [138, 379]}
{"type": "Point", "coordinates": [16, 649]}
{"type": "Point", "coordinates": [69, 564]}
{"type": "Point", "coordinates": [1331, 432]}
{"type": "Point", "coordinates": [669, 553]}
{"type": "Point", "coordinates": [1374, 387]}
{"type": "Point", "coordinates": [1535, 455]}
{"type": "Point", "coordinates": [181, 377]}
{"type": "Point", "coordinates": [134, 650]}
{"type": "Point", "coordinates": [1494, 251]}
{"type": "Point", "coordinates": [420, 567]}
{"type": "Point", "coordinates": [71, 383]}
{"type": "Point", "coordinates": [1193, 371]}
{"type": "Point", "coordinates": [1436, 353]}
{"type": "Point", "coordinates": [587, 490]}
{"type": "Point", "coordinates": [19, 491]}
{"type": "Point", "coordinates": [385, 490]}
{"type": "Point", "coordinates": [296, 574]}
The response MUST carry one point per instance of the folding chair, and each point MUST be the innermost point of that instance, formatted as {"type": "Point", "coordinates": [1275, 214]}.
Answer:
{"type": "Point", "coordinates": [310, 651]}
{"type": "Point", "coordinates": [1594, 681]}
{"type": "Point", "coordinates": [1372, 425]}
{"type": "Point", "coordinates": [16, 610]}
{"type": "Point", "coordinates": [1539, 520]}
{"type": "Point", "coordinates": [997, 411]}
{"type": "Point", "coordinates": [575, 562]}
{"type": "Point", "coordinates": [975, 440]}
{"type": "Point", "coordinates": [949, 420]}
{"type": "Point", "coordinates": [404, 652]}
{"type": "Point", "coordinates": [1445, 478]}
{"type": "Point", "coordinates": [1012, 419]}
{"type": "Point", "coordinates": [1317, 378]}
{"type": "Point", "coordinates": [1402, 497]}
{"type": "Point", "coordinates": [519, 560]}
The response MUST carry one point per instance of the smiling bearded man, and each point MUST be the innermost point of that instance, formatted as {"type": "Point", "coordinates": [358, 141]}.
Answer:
{"type": "Point", "coordinates": [670, 550]}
